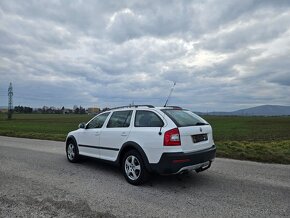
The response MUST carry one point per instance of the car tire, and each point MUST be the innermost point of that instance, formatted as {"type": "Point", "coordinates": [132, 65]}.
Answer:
{"type": "Point", "coordinates": [72, 152]}
{"type": "Point", "coordinates": [134, 169]}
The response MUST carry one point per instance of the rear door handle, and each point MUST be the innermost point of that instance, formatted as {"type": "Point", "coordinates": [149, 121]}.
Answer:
{"type": "Point", "coordinates": [124, 134]}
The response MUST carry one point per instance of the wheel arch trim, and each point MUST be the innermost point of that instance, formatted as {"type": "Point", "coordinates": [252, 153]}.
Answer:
{"type": "Point", "coordinates": [136, 146]}
{"type": "Point", "coordinates": [70, 137]}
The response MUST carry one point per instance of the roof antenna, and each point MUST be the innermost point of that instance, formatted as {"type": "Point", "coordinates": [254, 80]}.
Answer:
{"type": "Point", "coordinates": [170, 94]}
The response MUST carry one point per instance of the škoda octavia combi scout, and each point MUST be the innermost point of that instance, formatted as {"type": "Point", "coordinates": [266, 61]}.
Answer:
{"type": "Point", "coordinates": [143, 139]}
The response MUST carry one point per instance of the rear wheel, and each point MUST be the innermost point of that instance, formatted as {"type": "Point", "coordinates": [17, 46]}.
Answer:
{"type": "Point", "coordinates": [72, 152]}
{"type": "Point", "coordinates": [134, 169]}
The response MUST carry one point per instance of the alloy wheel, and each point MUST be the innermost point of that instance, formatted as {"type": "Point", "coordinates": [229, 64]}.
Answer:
{"type": "Point", "coordinates": [132, 167]}
{"type": "Point", "coordinates": [71, 151]}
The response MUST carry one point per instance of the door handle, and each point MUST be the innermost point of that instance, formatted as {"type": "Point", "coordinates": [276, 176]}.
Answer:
{"type": "Point", "coordinates": [97, 133]}
{"type": "Point", "coordinates": [124, 134]}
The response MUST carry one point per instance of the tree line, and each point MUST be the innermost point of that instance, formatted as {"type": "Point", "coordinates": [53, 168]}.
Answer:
{"type": "Point", "coordinates": [50, 110]}
{"type": "Point", "coordinates": [23, 109]}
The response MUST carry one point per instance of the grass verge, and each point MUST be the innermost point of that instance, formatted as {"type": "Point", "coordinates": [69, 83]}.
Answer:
{"type": "Point", "coordinates": [269, 152]}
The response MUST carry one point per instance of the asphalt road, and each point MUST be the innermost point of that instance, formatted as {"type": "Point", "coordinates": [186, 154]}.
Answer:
{"type": "Point", "coordinates": [36, 180]}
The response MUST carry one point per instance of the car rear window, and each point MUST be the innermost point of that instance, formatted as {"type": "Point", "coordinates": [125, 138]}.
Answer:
{"type": "Point", "coordinates": [183, 117]}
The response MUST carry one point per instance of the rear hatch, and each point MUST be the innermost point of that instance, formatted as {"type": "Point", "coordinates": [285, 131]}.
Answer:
{"type": "Point", "coordinates": [195, 138]}
{"type": "Point", "coordinates": [195, 132]}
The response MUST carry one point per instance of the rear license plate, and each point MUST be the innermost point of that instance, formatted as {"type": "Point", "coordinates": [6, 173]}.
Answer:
{"type": "Point", "coordinates": [199, 138]}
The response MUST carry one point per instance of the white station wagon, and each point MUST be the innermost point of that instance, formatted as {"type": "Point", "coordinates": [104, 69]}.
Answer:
{"type": "Point", "coordinates": [143, 139]}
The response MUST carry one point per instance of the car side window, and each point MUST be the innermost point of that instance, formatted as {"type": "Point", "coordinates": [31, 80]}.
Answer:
{"type": "Point", "coordinates": [98, 121]}
{"type": "Point", "coordinates": [147, 119]}
{"type": "Point", "coordinates": [120, 119]}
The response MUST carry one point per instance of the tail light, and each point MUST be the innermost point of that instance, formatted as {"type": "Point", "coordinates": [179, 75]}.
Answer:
{"type": "Point", "coordinates": [172, 138]}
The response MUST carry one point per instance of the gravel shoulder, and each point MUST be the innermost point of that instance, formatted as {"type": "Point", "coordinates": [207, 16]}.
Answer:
{"type": "Point", "coordinates": [36, 180]}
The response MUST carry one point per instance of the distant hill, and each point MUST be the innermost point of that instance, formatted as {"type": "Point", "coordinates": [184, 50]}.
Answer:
{"type": "Point", "coordinates": [263, 110]}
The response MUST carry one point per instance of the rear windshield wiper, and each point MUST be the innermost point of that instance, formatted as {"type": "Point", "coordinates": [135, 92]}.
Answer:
{"type": "Point", "coordinates": [200, 124]}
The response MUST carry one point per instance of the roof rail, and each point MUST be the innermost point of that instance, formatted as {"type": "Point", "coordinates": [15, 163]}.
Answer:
{"type": "Point", "coordinates": [175, 107]}
{"type": "Point", "coordinates": [143, 105]}
{"type": "Point", "coordinates": [133, 106]}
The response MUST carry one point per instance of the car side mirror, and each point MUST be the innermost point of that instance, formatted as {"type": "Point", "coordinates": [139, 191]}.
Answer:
{"type": "Point", "coordinates": [82, 125]}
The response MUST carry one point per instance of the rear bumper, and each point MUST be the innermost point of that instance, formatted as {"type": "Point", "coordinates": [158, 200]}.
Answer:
{"type": "Point", "coordinates": [172, 163]}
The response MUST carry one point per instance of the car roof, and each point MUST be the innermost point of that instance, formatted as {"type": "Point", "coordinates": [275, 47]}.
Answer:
{"type": "Point", "coordinates": [146, 107]}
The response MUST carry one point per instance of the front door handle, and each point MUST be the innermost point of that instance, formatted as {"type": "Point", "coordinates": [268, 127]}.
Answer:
{"type": "Point", "coordinates": [97, 133]}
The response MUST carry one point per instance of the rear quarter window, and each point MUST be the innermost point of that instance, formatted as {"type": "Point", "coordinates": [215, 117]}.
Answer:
{"type": "Point", "coordinates": [147, 119]}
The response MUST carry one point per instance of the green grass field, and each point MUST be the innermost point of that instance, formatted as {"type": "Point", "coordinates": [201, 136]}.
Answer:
{"type": "Point", "coordinates": [264, 139]}
{"type": "Point", "coordinates": [41, 126]}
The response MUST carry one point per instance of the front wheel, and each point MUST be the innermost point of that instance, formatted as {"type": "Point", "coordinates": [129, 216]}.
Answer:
{"type": "Point", "coordinates": [72, 152]}
{"type": "Point", "coordinates": [134, 169]}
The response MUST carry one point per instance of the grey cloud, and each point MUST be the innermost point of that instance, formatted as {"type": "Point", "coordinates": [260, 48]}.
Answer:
{"type": "Point", "coordinates": [259, 30]}
{"type": "Point", "coordinates": [282, 78]}
{"type": "Point", "coordinates": [88, 16]}
{"type": "Point", "coordinates": [111, 53]}
{"type": "Point", "coordinates": [150, 19]}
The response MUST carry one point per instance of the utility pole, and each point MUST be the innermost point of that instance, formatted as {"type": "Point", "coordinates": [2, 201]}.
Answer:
{"type": "Point", "coordinates": [10, 101]}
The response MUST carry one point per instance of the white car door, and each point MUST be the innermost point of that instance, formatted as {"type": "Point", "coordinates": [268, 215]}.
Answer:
{"type": "Point", "coordinates": [89, 137]}
{"type": "Point", "coordinates": [114, 134]}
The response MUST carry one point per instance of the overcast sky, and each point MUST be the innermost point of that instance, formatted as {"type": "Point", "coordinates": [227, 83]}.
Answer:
{"type": "Point", "coordinates": [223, 55]}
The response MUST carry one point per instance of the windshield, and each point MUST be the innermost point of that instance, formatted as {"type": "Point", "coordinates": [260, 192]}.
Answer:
{"type": "Point", "coordinates": [184, 118]}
